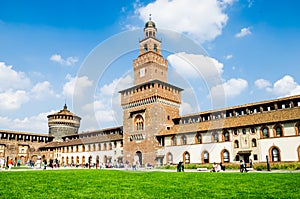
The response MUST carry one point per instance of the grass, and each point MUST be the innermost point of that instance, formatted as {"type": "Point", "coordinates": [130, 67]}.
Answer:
{"type": "Point", "coordinates": [128, 184]}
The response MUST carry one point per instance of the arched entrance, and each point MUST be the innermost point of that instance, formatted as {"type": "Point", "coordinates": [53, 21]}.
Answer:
{"type": "Point", "coordinates": [138, 157]}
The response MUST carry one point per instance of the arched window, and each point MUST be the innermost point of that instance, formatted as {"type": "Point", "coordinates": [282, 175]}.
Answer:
{"type": "Point", "coordinates": [205, 157]}
{"type": "Point", "coordinates": [145, 48]}
{"type": "Point", "coordinates": [186, 157]}
{"type": "Point", "coordinates": [169, 158]}
{"type": "Point", "coordinates": [225, 136]}
{"type": "Point", "coordinates": [105, 147]}
{"type": "Point", "coordinates": [198, 138]}
{"type": "Point", "coordinates": [297, 128]}
{"type": "Point", "coordinates": [236, 144]}
{"type": "Point", "coordinates": [235, 132]}
{"type": "Point", "coordinates": [299, 153]}
{"type": "Point", "coordinates": [275, 154]}
{"type": "Point", "coordinates": [225, 156]}
{"type": "Point", "coordinates": [254, 144]}
{"type": "Point", "coordinates": [183, 140]}
{"type": "Point", "coordinates": [83, 148]}
{"type": "Point", "coordinates": [215, 137]}
{"type": "Point", "coordinates": [173, 141]}
{"type": "Point", "coordinates": [155, 48]}
{"type": "Point", "coordinates": [139, 123]}
{"type": "Point", "coordinates": [265, 132]}
{"type": "Point", "coordinates": [278, 131]}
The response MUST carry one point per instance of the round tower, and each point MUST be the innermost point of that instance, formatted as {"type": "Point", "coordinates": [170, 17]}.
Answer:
{"type": "Point", "coordinates": [63, 123]}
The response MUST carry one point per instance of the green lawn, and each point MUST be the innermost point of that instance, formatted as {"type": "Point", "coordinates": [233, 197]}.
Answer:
{"type": "Point", "coordinates": [129, 184]}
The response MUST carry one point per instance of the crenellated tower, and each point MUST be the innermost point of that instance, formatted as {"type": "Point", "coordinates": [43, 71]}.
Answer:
{"type": "Point", "coordinates": [150, 105]}
{"type": "Point", "coordinates": [63, 123]}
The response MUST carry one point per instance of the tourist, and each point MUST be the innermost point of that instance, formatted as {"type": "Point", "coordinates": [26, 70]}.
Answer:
{"type": "Point", "coordinates": [243, 166]}
{"type": "Point", "coordinates": [10, 163]}
{"type": "Point", "coordinates": [251, 163]}
{"type": "Point", "coordinates": [2, 163]}
{"type": "Point", "coordinates": [214, 167]}
{"type": "Point", "coordinates": [222, 167]}
{"type": "Point", "coordinates": [45, 164]}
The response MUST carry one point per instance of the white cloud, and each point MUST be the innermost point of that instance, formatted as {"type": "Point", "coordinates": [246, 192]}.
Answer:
{"type": "Point", "coordinates": [76, 86]}
{"type": "Point", "coordinates": [42, 90]}
{"type": "Point", "coordinates": [286, 86]}
{"type": "Point", "coordinates": [186, 108]}
{"type": "Point", "coordinates": [250, 3]}
{"type": "Point", "coordinates": [227, 57]}
{"type": "Point", "coordinates": [11, 79]}
{"type": "Point", "coordinates": [201, 20]}
{"type": "Point", "coordinates": [11, 100]}
{"type": "Point", "coordinates": [193, 66]}
{"type": "Point", "coordinates": [229, 89]}
{"type": "Point", "coordinates": [244, 32]}
{"type": "Point", "coordinates": [262, 83]}
{"type": "Point", "coordinates": [69, 61]}
{"type": "Point", "coordinates": [105, 110]}
{"type": "Point", "coordinates": [35, 124]}
{"type": "Point", "coordinates": [116, 85]}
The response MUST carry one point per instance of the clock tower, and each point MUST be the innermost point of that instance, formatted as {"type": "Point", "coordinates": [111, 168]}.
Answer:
{"type": "Point", "coordinates": [150, 64]}
{"type": "Point", "coordinates": [150, 105]}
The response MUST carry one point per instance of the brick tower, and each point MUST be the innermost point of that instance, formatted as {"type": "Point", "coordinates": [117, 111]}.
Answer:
{"type": "Point", "coordinates": [150, 105]}
{"type": "Point", "coordinates": [63, 123]}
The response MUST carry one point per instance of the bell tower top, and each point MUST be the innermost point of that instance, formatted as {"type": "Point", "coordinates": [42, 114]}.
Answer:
{"type": "Point", "coordinates": [150, 64]}
{"type": "Point", "coordinates": [150, 29]}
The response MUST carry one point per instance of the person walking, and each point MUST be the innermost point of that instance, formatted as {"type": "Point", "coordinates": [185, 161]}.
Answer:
{"type": "Point", "coordinates": [10, 163]}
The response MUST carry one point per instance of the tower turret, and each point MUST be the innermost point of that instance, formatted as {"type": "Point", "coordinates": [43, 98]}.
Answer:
{"type": "Point", "coordinates": [150, 64]}
{"type": "Point", "coordinates": [63, 123]}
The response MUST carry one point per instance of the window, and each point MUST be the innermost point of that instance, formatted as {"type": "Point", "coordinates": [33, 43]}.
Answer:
{"type": "Point", "coordinates": [236, 144]}
{"type": "Point", "coordinates": [237, 158]}
{"type": "Point", "coordinates": [186, 157]}
{"type": "Point", "coordinates": [198, 138]}
{"type": "Point", "coordinates": [278, 131]}
{"type": "Point", "coordinates": [253, 130]}
{"type": "Point", "coordinates": [265, 132]}
{"type": "Point", "coordinates": [254, 142]}
{"type": "Point", "coordinates": [244, 131]}
{"type": "Point", "coordinates": [173, 141]}
{"type": "Point", "coordinates": [183, 140]}
{"type": "Point", "coordinates": [255, 157]}
{"type": "Point", "coordinates": [205, 157]}
{"type": "Point", "coordinates": [170, 158]}
{"type": "Point", "coordinates": [235, 132]}
{"type": "Point", "coordinates": [275, 154]}
{"type": "Point", "coordinates": [299, 153]}
{"type": "Point", "coordinates": [225, 156]}
{"type": "Point", "coordinates": [215, 137]}
{"type": "Point", "coordinates": [225, 136]}
{"type": "Point", "coordinates": [139, 123]}
{"type": "Point", "coordinates": [155, 48]}
{"type": "Point", "coordinates": [145, 48]}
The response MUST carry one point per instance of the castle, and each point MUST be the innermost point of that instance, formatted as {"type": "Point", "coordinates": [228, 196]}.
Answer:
{"type": "Point", "coordinates": [153, 131]}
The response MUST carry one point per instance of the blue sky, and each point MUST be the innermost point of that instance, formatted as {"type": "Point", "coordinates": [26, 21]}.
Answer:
{"type": "Point", "coordinates": [252, 53]}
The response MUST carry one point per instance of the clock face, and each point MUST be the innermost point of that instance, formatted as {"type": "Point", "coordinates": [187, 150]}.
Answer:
{"type": "Point", "coordinates": [142, 72]}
